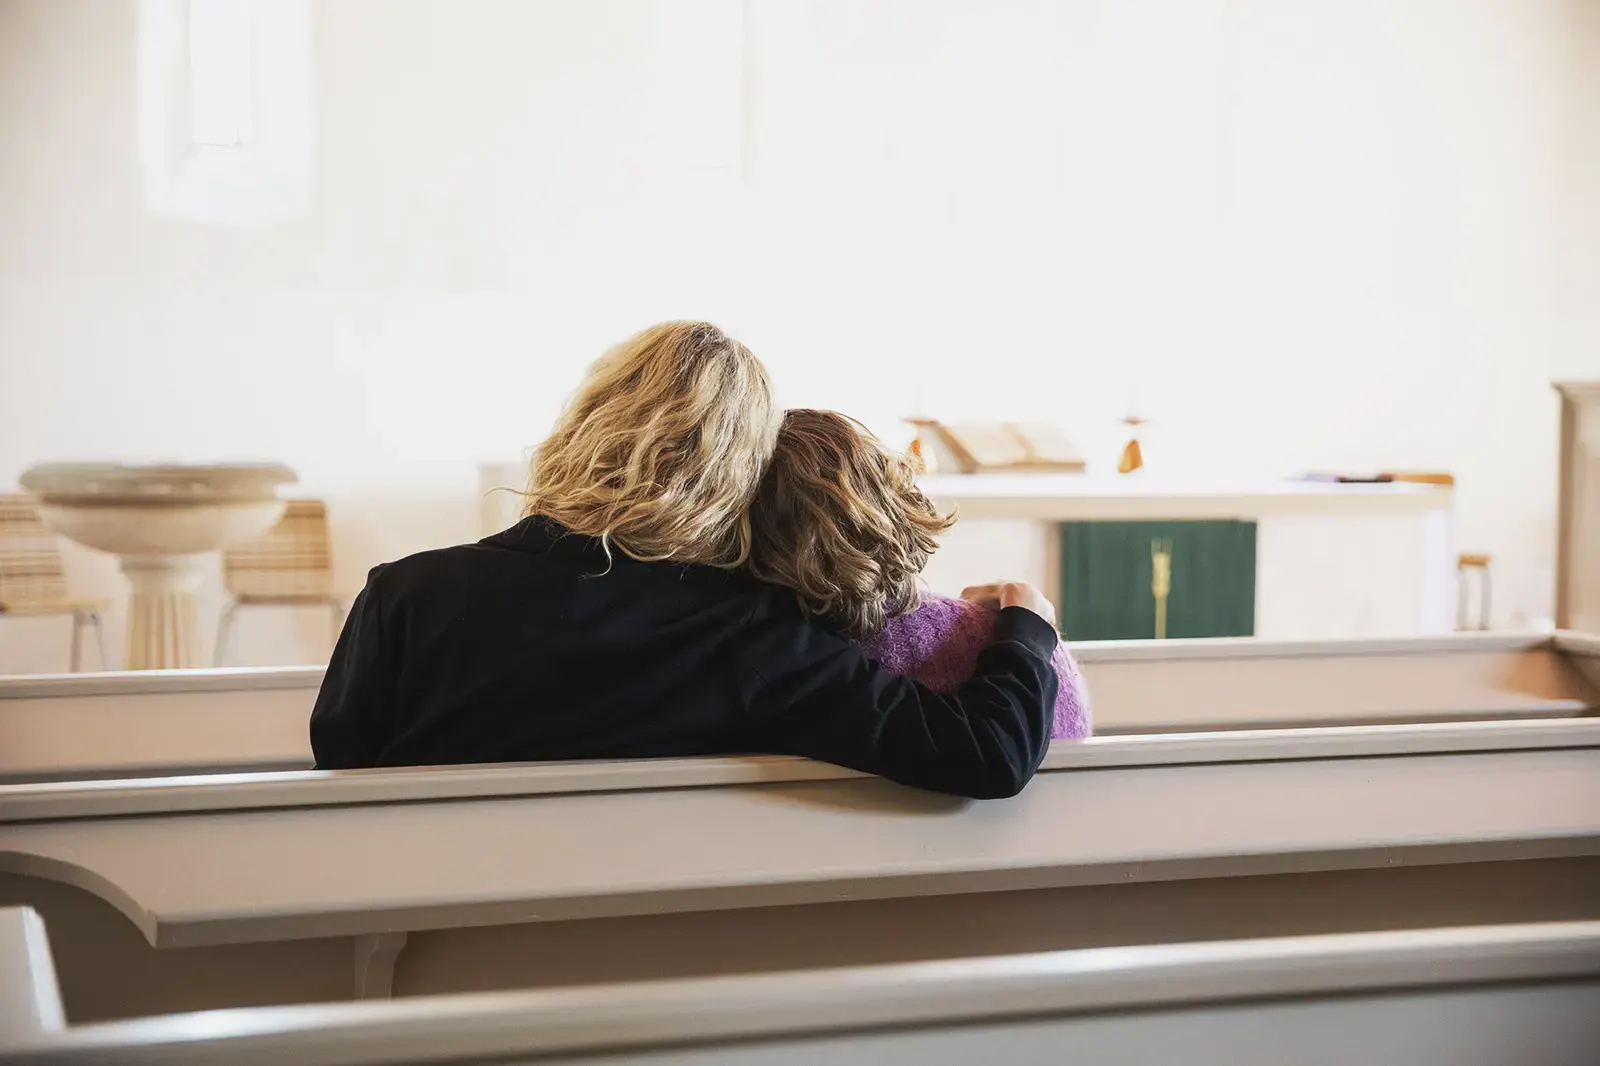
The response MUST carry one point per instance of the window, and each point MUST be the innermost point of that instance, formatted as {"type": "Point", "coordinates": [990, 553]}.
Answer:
{"type": "Point", "coordinates": [219, 72]}
{"type": "Point", "coordinates": [225, 109]}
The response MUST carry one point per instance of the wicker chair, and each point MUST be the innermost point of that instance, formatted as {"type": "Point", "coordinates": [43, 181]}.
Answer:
{"type": "Point", "coordinates": [292, 566]}
{"type": "Point", "coordinates": [32, 580]}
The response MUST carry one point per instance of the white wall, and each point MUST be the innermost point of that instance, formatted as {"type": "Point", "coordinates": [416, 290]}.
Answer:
{"type": "Point", "coordinates": [1305, 233]}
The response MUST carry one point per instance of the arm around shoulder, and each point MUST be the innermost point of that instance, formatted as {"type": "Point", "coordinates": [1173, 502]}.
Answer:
{"type": "Point", "coordinates": [818, 695]}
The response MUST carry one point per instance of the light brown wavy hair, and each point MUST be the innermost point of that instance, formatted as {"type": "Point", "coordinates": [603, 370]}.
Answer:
{"type": "Point", "coordinates": [840, 520]}
{"type": "Point", "coordinates": [661, 450]}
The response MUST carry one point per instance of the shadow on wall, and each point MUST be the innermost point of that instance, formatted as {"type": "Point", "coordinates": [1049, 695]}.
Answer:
{"type": "Point", "coordinates": [366, 529]}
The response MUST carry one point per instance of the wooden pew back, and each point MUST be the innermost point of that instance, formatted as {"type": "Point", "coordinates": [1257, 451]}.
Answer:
{"type": "Point", "coordinates": [87, 726]}
{"type": "Point", "coordinates": [1462, 997]}
{"type": "Point", "coordinates": [299, 887]}
{"type": "Point", "coordinates": [219, 721]}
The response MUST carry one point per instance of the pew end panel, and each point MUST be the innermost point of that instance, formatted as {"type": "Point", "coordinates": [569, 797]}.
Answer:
{"type": "Point", "coordinates": [107, 968]}
{"type": "Point", "coordinates": [30, 997]}
{"type": "Point", "coordinates": [1582, 650]}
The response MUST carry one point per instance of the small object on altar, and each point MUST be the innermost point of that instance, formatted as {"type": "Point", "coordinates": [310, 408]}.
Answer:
{"type": "Point", "coordinates": [1423, 477]}
{"type": "Point", "coordinates": [918, 459]}
{"type": "Point", "coordinates": [1347, 479]}
{"type": "Point", "coordinates": [977, 447]}
{"type": "Point", "coordinates": [1132, 454]}
{"type": "Point", "coordinates": [1438, 479]}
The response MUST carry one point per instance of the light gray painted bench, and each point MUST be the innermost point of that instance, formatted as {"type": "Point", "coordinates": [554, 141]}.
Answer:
{"type": "Point", "coordinates": [1484, 996]}
{"type": "Point", "coordinates": [215, 721]}
{"type": "Point", "coordinates": [167, 895]}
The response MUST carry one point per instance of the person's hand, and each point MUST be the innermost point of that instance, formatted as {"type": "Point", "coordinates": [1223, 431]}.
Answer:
{"type": "Point", "coordinates": [1012, 594]}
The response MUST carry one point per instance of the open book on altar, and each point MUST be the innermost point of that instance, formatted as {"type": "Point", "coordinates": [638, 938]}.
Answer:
{"type": "Point", "coordinates": [976, 447]}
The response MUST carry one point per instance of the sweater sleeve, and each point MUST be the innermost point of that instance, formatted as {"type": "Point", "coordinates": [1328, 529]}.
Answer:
{"type": "Point", "coordinates": [818, 695]}
{"type": "Point", "coordinates": [353, 703]}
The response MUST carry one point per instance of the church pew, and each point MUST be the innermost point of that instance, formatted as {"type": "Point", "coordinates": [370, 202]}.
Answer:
{"type": "Point", "coordinates": [1477, 996]}
{"type": "Point", "coordinates": [169, 894]}
{"type": "Point", "coordinates": [215, 721]}
{"type": "Point", "coordinates": [151, 723]}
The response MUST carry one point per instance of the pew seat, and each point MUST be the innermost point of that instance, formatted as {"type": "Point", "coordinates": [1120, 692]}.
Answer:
{"type": "Point", "coordinates": [1477, 996]}
{"type": "Point", "coordinates": [165, 895]}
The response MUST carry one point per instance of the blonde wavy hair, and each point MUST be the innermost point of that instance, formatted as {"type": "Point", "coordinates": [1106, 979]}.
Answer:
{"type": "Point", "coordinates": [840, 520]}
{"type": "Point", "coordinates": [661, 450]}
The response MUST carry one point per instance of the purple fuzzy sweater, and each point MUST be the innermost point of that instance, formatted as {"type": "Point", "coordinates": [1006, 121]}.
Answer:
{"type": "Point", "coordinates": [938, 644]}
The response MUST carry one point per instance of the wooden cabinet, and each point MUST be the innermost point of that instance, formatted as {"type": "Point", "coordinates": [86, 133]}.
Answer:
{"type": "Point", "coordinates": [1110, 591]}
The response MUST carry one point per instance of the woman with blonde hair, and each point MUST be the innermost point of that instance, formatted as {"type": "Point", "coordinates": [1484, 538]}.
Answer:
{"type": "Point", "coordinates": [618, 620]}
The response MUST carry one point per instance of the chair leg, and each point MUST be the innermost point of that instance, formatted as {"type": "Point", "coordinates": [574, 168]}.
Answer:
{"type": "Point", "coordinates": [224, 629]}
{"type": "Point", "coordinates": [1483, 604]}
{"type": "Point", "coordinates": [77, 640]}
{"type": "Point", "coordinates": [100, 639]}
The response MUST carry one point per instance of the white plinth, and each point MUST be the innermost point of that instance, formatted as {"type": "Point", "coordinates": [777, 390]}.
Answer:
{"type": "Point", "coordinates": [1333, 561]}
{"type": "Point", "coordinates": [163, 623]}
{"type": "Point", "coordinates": [161, 522]}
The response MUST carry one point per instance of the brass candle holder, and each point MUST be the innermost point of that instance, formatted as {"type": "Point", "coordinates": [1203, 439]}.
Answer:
{"type": "Point", "coordinates": [1161, 582]}
{"type": "Point", "coordinates": [1132, 454]}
